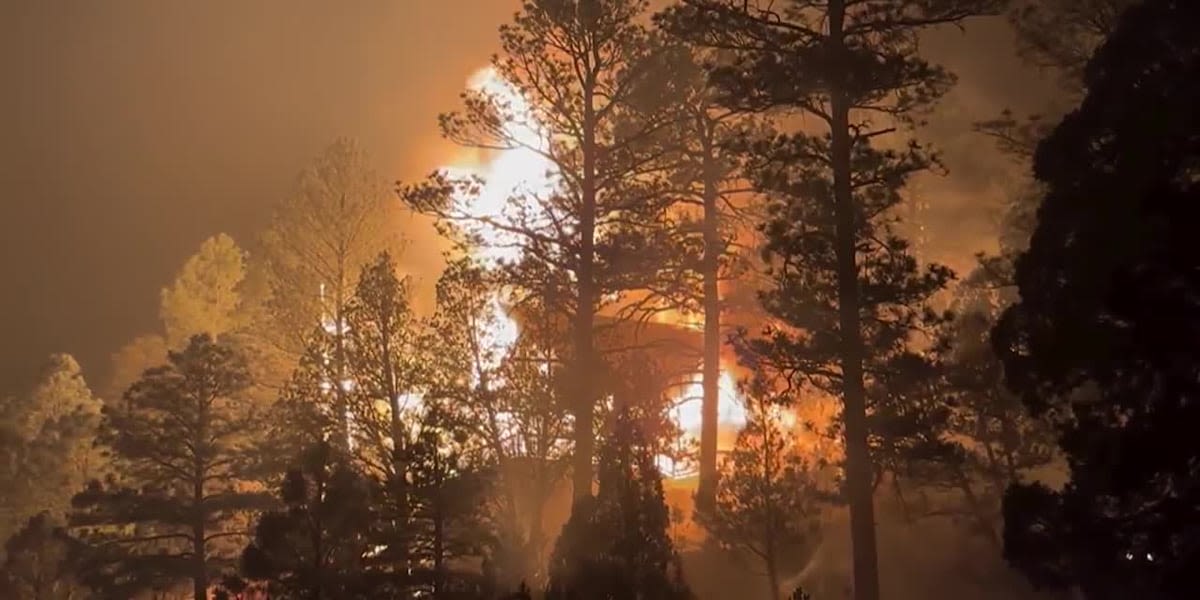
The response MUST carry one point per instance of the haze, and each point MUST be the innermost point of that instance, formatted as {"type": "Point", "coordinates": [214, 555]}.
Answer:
{"type": "Point", "coordinates": [133, 130]}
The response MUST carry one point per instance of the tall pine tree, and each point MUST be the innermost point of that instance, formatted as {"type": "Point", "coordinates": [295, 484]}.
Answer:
{"type": "Point", "coordinates": [585, 101]}
{"type": "Point", "coordinates": [846, 287]}
{"type": "Point", "coordinates": [180, 446]}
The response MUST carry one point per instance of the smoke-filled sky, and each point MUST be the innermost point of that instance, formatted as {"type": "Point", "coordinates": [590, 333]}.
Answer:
{"type": "Point", "coordinates": [130, 130]}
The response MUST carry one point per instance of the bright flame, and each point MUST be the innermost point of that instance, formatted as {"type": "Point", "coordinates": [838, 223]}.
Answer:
{"type": "Point", "coordinates": [521, 171]}
{"type": "Point", "coordinates": [731, 416]}
{"type": "Point", "coordinates": [731, 410]}
{"type": "Point", "coordinates": [518, 172]}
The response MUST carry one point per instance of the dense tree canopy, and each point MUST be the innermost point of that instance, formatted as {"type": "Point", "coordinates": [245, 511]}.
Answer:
{"type": "Point", "coordinates": [1104, 333]}
{"type": "Point", "coordinates": [296, 424]}
{"type": "Point", "coordinates": [847, 293]}
{"type": "Point", "coordinates": [46, 445]}
{"type": "Point", "coordinates": [587, 102]}
{"type": "Point", "coordinates": [180, 442]}
{"type": "Point", "coordinates": [205, 296]}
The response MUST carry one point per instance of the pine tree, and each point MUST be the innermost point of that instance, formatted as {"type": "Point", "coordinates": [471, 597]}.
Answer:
{"type": "Point", "coordinates": [767, 507]}
{"type": "Point", "coordinates": [704, 178]}
{"type": "Point", "coordinates": [1104, 334]}
{"type": "Point", "coordinates": [384, 355]}
{"type": "Point", "coordinates": [41, 562]}
{"type": "Point", "coordinates": [337, 220]}
{"type": "Point", "coordinates": [587, 83]}
{"type": "Point", "coordinates": [615, 544]}
{"type": "Point", "coordinates": [511, 395]}
{"type": "Point", "coordinates": [315, 546]}
{"type": "Point", "coordinates": [449, 521]}
{"type": "Point", "coordinates": [46, 445]}
{"type": "Point", "coordinates": [842, 277]}
{"type": "Point", "coordinates": [179, 445]}
{"type": "Point", "coordinates": [409, 434]}
{"type": "Point", "coordinates": [205, 296]}
{"type": "Point", "coordinates": [383, 380]}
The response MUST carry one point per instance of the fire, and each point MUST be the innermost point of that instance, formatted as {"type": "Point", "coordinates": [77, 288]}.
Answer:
{"type": "Point", "coordinates": [730, 407]}
{"type": "Point", "coordinates": [521, 171]}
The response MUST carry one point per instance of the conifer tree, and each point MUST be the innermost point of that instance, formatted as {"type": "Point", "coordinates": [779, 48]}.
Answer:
{"type": "Point", "coordinates": [338, 218]}
{"type": "Point", "coordinates": [41, 562]}
{"type": "Point", "coordinates": [1102, 335]}
{"type": "Point", "coordinates": [205, 296]}
{"type": "Point", "coordinates": [314, 547]}
{"type": "Point", "coordinates": [616, 545]}
{"type": "Point", "coordinates": [509, 388]}
{"type": "Point", "coordinates": [767, 508]}
{"type": "Point", "coordinates": [449, 520]}
{"type": "Point", "coordinates": [384, 357]}
{"type": "Point", "coordinates": [46, 445]}
{"type": "Point", "coordinates": [180, 450]}
{"type": "Point", "coordinates": [705, 180]}
{"type": "Point", "coordinates": [845, 285]}
{"type": "Point", "coordinates": [587, 85]}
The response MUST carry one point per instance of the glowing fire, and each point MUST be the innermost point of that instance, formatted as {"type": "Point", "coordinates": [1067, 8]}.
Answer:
{"type": "Point", "coordinates": [523, 171]}
{"type": "Point", "coordinates": [513, 173]}
{"type": "Point", "coordinates": [730, 408]}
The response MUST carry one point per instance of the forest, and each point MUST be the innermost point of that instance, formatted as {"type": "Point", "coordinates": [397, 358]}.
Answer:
{"type": "Point", "coordinates": [684, 342]}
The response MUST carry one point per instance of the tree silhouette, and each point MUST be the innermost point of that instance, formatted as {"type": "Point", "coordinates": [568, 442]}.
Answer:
{"type": "Point", "coordinates": [1062, 34]}
{"type": "Point", "coordinates": [767, 504]}
{"type": "Point", "coordinates": [714, 218]}
{"type": "Point", "coordinates": [615, 545]}
{"type": "Point", "coordinates": [588, 90]}
{"type": "Point", "coordinates": [843, 278]}
{"type": "Point", "coordinates": [510, 395]}
{"type": "Point", "coordinates": [179, 442]}
{"type": "Point", "coordinates": [1103, 337]}
{"type": "Point", "coordinates": [314, 547]}
{"type": "Point", "coordinates": [41, 563]}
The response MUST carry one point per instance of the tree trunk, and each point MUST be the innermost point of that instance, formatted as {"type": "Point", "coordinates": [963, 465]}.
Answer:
{"type": "Point", "coordinates": [768, 531]}
{"type": "Point", "coordinates": [536, 542]}
{"type": "Point", "coordinates": [858, 459]}
{"type": "Point", "coordinates": [339, 352]}
{"type": "Point", "coordinates": [585, 310]}
{"type": "Point", "coordinates": [773, 577]}
{"type": "Point", "coordinates": [316, 535]}
{"type": "Point", "coordinates": [199, 434]}
{"type": "Point", "coordinates": [199, 568]}
{"type": "Point", "coordinates": [439, 533]}
{"type": "Point", "coordinates": [709, 411]}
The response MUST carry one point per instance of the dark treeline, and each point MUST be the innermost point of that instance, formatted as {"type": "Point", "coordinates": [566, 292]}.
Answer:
{"type": "Point", "coordinates": [303, 425]}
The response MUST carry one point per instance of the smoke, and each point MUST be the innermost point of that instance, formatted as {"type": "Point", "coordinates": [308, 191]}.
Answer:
{"type": "Point", "coordinates": [136, 129]}
{"type": "Point", "coordinates": [133, 130]}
